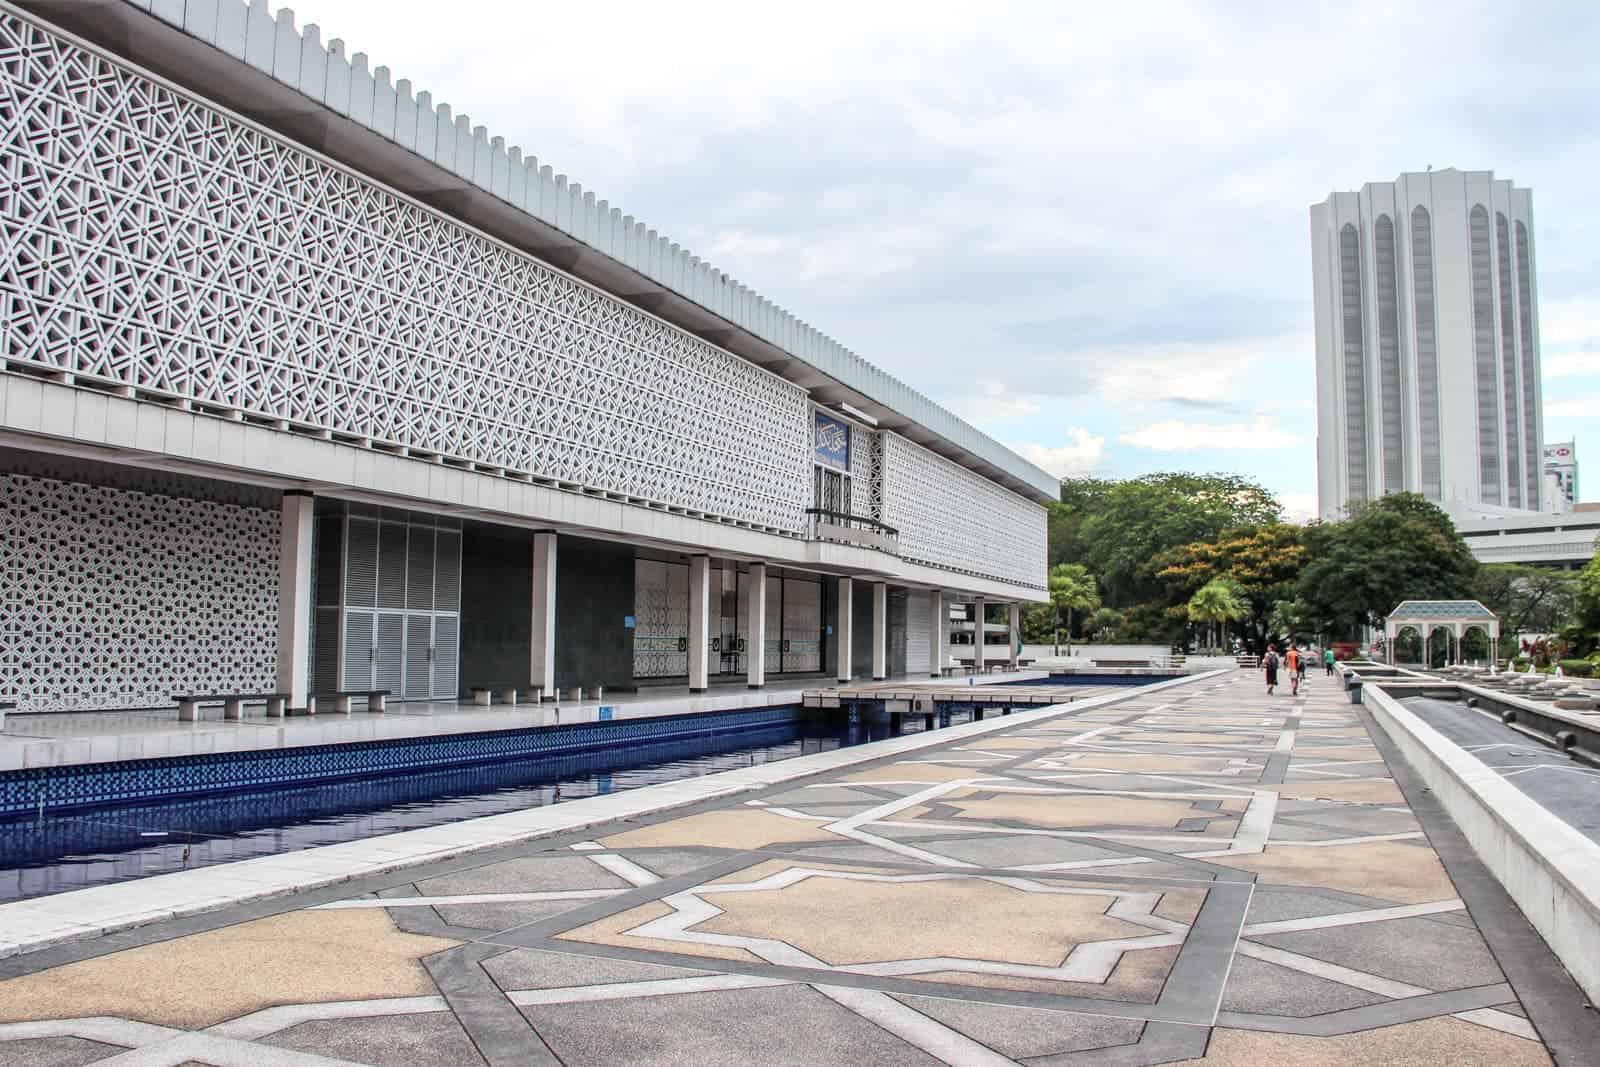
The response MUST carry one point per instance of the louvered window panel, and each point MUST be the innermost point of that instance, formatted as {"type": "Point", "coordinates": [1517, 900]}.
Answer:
{"type": "Point", "coordinates": [419, 571]}
{"type": "Point", "coordinates": [1530, 369]}
{"type": "Point", "coordinates": [1391, 400]}
{"type": "Point", "coordinates": [1355, 368]}
{"type": "Point", "coordinates": [357, 650]}
{"type": "Point", "coordinates": [446, 648]}
{"type": "Point", "coordinates": [447, 572]}
{"type": "Point", "coordinates": [1427, 351]}
{"type": "Point", "coordinates": [390, 658]}
{"type": "Point", "coordinates": [361, 563]}
{"type": "Point", "coordinates": [1508, 364]}
{"type": "Point", "coordinates": [1484, 363]}
{"type": "Point", "coordinates": [392, 566]}
{"type": "Point", "coordinates": [419, 660]}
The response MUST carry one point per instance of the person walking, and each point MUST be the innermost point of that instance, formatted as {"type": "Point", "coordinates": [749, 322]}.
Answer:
{"type": "Point", "coordinates": [1327, 660]}
{"type": "Point", "coordinates": [1302, 662]}
{"type": "Point", "coordinates": [1292, 661]}
{"type": "Point", "coordinates": [1269, 664]}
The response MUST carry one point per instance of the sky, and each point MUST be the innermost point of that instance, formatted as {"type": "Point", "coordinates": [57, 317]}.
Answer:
{"type": "Point", "coordinates": [1087, 236]}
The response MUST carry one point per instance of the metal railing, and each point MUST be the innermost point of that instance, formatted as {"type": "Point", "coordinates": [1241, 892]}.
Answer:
{"type": "Point", "coordinates": [845, 528]}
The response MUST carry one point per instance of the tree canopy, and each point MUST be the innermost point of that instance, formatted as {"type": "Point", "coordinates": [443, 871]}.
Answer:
{"type": "Point", "coordinates": [1395, 548]}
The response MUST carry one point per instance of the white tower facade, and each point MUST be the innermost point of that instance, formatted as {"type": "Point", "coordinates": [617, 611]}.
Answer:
{"type": "Point", "coordinates": [1428, 344]}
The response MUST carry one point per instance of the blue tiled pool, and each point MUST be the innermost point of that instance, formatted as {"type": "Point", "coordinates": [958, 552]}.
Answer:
{"type": "Point", "coordinates": [202, 810]}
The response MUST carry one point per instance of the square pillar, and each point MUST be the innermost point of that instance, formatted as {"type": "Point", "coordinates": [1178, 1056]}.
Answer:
{"type": "Point", "coordinates": [937, 639]}
{"type": "Point", "coordinates": [1014, 634]}
{"type": "Point", "coordinates": [980, 609]}
{"type": "Point", "coordinates": [699, 622]}
{"type": "Point", "coordinates": [880, 631]}
{"type": "Point", "coordinates": [755, 614]}
{"type": "Point", "coordinates": [294, 597]}
{"type": "Point", "coordinates": [842, 635]}
{"type": "Point", "coordinates": [542, 672]}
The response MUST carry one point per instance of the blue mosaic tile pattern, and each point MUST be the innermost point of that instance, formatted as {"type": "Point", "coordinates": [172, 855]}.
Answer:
{"type": "Point", "coordinates": [132, 781]}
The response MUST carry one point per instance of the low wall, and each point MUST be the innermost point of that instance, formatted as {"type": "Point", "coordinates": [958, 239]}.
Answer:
{"type": "Point", "coordinates": [1550, 869]}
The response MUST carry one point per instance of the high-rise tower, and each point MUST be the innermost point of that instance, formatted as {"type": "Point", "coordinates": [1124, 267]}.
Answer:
{"type": "Point", "coordinates": [1428, 344]}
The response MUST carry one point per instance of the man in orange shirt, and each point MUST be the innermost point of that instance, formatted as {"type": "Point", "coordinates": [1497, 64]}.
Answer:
{"type": "Point", "coordinates": [1293, 658]}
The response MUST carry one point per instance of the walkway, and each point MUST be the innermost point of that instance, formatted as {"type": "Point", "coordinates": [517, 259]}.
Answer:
{"type": "Point", "coordinates": [1199, 874]}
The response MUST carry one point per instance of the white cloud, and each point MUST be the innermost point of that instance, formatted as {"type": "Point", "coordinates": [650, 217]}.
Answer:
{"type": "Point", "coordinates": [1581, 406]}
{"type": "Point", "coordinates": [1566, 364]}
{"type": "Point", "coordinates": [1570, 323]}
{"type": "Point", "coordinates": [1079, 456]}
{"type": "Point", "coordinates": [1298, 507]}
{"type": "Point", "coordinates": [1178, 436]}
{"type": "Point", "coordinates": [992, 403]}
{"type": "Point", "coordinates": [1229, 373]}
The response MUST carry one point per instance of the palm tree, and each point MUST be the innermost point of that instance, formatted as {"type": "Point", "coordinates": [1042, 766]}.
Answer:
{"type": "Point", "coordinates": [1218, 601]}
{"type": "Point", "coordinates": [1071, 587]}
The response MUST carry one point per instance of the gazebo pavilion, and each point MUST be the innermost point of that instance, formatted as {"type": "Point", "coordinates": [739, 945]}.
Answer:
{"type": "Point", "coordinates": [1455, 616]}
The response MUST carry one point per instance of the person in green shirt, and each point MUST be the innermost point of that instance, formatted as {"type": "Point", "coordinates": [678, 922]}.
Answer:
{"type": "Point", "coordinates": [1327, 660]}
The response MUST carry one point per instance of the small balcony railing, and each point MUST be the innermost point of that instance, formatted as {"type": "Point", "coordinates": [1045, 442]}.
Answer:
{"type": "Point", "coordinates": [847, 529]}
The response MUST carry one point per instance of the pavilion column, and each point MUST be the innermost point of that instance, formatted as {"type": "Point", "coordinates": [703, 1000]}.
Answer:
{"type": "Point", "coordinates": [937, 640]}
{"type": "Point", "coordinates": [842, 635]}
{"type": "Point", "coordinates": [699, 623]}
{"type": "Point", "coordinates": [1014, 634]}
{"type": "Point", "coordinates": [980, 609]}
{"type": "Point", "coordinates": [542, 658]}
{"type": "Point", "coordinates": [880, 631]}
{"type": "Point", "coordinates": [294, 597]}
{"type": "Point", "coordinates": [755, 613]}
{"type": "Point", "coordinates": [1455, 657]}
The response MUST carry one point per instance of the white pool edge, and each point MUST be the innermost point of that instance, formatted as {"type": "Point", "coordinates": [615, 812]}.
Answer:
{"type": "Point", "coordinates": [1549, 869]}
{"type": "Point", "coordinates": [40, 922]}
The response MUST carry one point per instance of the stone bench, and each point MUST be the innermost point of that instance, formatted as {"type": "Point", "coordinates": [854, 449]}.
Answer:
{"type": "Point", "coordinates": [485, 695]}
{"type": "Point", "coordinates": [377, 700]}
{"type": "Point", "coordinates": [232, 704]}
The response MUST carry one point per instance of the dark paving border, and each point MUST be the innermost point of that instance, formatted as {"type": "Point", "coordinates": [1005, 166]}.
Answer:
{"type": "Point", "coordinates": [1557, 1008]}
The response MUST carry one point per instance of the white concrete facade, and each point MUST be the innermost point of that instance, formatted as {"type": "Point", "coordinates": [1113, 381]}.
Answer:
{"type": "Point", "coordinates": [513, 354]}
{"type": "Point", "coordinates": [1427, 343]}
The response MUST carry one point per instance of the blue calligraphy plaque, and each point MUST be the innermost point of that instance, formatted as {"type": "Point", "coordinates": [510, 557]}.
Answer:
{"type": "Point", "coordinates": [830, 441]}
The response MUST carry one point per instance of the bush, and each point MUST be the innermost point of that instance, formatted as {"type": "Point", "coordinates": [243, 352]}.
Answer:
{"type": "Point", "coordinates": [1578, 668]}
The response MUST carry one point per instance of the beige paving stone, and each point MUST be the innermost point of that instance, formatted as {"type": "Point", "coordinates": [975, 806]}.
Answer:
{"type": "Point", "coordinates": [843, 921]}
{"type": "Point", "coordinates": [766, 869]}
{"type": "Point", "coordinates": [1351, 790]}
{"type": "Point", "coordinates": [1006, 744]}
{"type": "Point", "coordinates": [1061, 811]}
{"type": "Point", "coordinates": [1184, 737]}
{"type": "Point", "coordinates": [203, 979]}
{"type": "Point", "coordinates": [1114, 762]}
{"type": "Point", "coordinates": [1388, 870]}
{"type": "Point", "coordinates": [1137, 978]}
{"type": "Point", "coordinates": [609, 931]}
{"type": "Point", "coordinates": [1440, 1042]}
{"type": "Point", "coordinates": [736, 828]}
{"type": "Point", "coordinates": [1352, 753]}
{"type": "Point", "coordinates": [1180, 905]}
{"type": "Point", "coordinates": [917, 772]}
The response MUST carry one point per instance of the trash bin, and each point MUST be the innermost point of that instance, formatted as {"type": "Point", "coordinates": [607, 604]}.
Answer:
{"type": "Point", "coordinates": [1354, 681]}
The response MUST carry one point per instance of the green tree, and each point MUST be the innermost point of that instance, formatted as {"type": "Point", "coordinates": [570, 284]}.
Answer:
{"type": "Point", "coordinates": [1584, 634]}
{"type": "Point", "coordinates": [1072, 588]}
{"type": "Point", "coordinates": [1219, 601]}
{"type": "Point", "coordinates": [1262, 561]}
{"type": "Point", "coordinates": [1395, 548]}
{"type": "Point", "coordinates": [1104, 623]}
{"type": "Point", "coordinates": [1527, 599]}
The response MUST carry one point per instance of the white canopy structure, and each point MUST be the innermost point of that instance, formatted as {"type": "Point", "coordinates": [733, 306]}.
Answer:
{"type": "Point", "coordinates": [1427, 616]}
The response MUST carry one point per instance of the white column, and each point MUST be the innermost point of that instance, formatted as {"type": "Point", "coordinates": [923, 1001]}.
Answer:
{"type": "Point", "coordinates": [1014, 635]}
{"type": "Point", "coordinates": [542, 662]}
{"type": "Point", "coordinates": [294, 597]}
{"type": "Point", "coordinates": [880, 631]}
{"type": "Point", "coordinates": [937, 640]}
{"type": "Point", "coordinates": [979, 610]}
{"type": "Point", "coordinates": [1455, 654]}
{"type": "Point", "coordinates": [699, 622]}
{"type": "Point", "coordinates": [755, 613]}
{"type": "Point", "coordinates": [841, 630]}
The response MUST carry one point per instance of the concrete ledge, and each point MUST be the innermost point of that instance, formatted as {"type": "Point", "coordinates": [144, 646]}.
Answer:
{"type": "Point", "coordinates": [40, 922]}
{"type": "Point", "coordinates": [1550, 869]}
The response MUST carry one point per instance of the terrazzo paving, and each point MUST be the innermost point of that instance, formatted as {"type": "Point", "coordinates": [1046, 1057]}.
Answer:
{"type": "Point", "coordinates": [1200, 875]}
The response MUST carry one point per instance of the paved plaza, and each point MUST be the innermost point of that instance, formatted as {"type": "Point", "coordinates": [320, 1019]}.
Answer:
{"type": "Point", "coordinates": [1200, 874]}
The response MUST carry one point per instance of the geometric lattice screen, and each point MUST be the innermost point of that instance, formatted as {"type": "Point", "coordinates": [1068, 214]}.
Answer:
{"type": "Point", "coordinates": [154, 242]}
{"type": "Point", "coordinates": [117, 599]}
{"type": "Point", "coordinates": [949, 517]}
